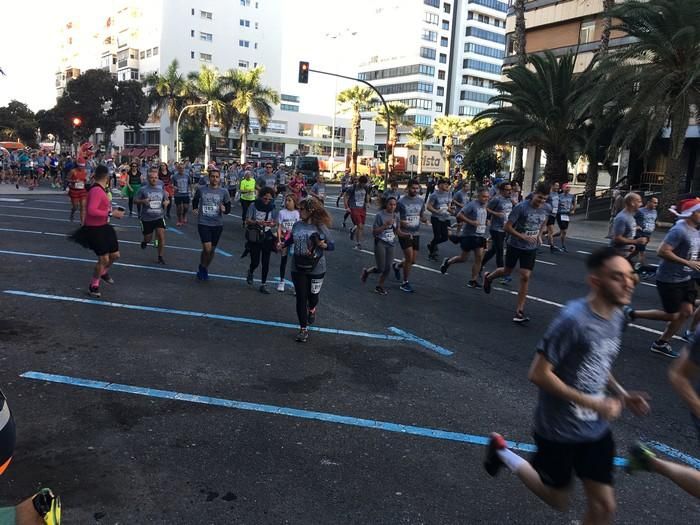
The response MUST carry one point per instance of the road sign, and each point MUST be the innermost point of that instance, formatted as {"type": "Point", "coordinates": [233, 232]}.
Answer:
{"type": "Point", "coordinates": [459, 158]}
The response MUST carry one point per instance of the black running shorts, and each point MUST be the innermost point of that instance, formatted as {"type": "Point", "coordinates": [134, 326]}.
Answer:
{"type": "Point", "coordinates": [556, 462]}
{"type": "Point", "coordinates": [674, 294]}
{"type": "Point", "coordinates": [563, 225]}
{"type": "Point", "coordinates": [179, 200]}
{"type": "Point", "coordinates": [472, 242]}
{"type": "Point", "coordinates": [210, 234]}
{"type": "Point", "coordinates": [148, 227]}
{"type": "Point", "coordinates": [410, 242]}
{"type": "Point", "coordinates": [515, 256]}
{"type": "Point", "coordinates": [550, 220]}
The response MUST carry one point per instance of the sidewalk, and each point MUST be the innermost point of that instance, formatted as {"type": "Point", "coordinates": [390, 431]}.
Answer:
{"type": "Point", "coordinates": [9, 189]}
{"type": "Point", "coordinates": [596, 231]}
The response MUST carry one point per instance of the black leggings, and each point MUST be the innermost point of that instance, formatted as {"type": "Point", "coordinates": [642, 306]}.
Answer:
{"type": "Point", "coordinates": [244, 206]}
{"type": "Point", "coordinates": [283, 266]}
{"type": "Point", "coordinates": [257, 250]}
{"type": "Point", "coordinates": [306, 300]}
{"type": "Point", "coordinates": [497, 239]}
{"type": "Point", "coordinates": [440, 232]}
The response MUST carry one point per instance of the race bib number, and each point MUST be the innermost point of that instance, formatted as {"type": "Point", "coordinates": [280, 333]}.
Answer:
{"type": "Point", "coordinates": [316, 286]}
{"type": "Point", "coordinates": [532, 233]}
{"type": "Point", "coordinates": [287, 225]}
{"type": "Point", "coordinates": [360, 198]}
{"type": "Point", "coordinates": [564, 218]}
{"type": "Point", "coordinates": [443, 208]}
{"type": "Point", "coordinates": [413, 221]}
{"type": "Point", "coordinates": [210, 210]}
{"type": "Point", "coordinates": [585, 414]}
{"type": "Point", "coordinates": [389, 236]}
{"type": "Point", "coordinates": [155, 205]}
{"type": "Point", "coordinates": [481, 228]}
{"type": "Point", "coordinates": [79, 185]}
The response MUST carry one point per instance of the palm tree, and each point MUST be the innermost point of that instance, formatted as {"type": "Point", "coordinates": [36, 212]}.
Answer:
{"type": "Point", "coordinates": [543, 104]}
{"type": "Point", "coordinates": [356, 99]}
{"type": "Point", "coordinates": [662, 66]}
{"type": "Point", "coordinates": [454, 130]}
{"type": "Point", "coordinates": [203, 87]}
{"type": "Point", "coordinates": [166, 92]}
{"type": "Point", "coordinates": [521, 53]}
{"type": "Point", "coordinates": [396, 118]}
{"type": "Point", "coordinates": [419, 136]}
{"type": "Point", "coordinates": [247, 93]}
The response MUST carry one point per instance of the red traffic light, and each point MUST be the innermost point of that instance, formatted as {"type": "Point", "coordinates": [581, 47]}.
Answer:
{"type": "Point", "coordinates": [77, 121]}
{"type": "Point", "coordinates": [303, 72]}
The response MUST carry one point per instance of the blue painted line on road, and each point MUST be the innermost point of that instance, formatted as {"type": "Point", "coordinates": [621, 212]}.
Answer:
{"type": "Point", "coordinates": [205, 315]}
{"type": "Point", "coordinates": [675, 454]}
{"type": "Point", "coordinates": [60, 220]}
{"type": "Point", "coordinates": [223, 252]}
{"type": "Point", "coordinates": [283, 411]}
{"type": "Point", "coordinates": [125, 265]}
{"type": "Point", "coordinates": [418, 340]}
{"type": "Point", "coordinates": [175, 230]}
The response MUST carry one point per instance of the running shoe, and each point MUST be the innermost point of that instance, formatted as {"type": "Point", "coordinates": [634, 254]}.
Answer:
{"type": "Point", "coordinates": [200, 276]}
{"type": "Point", "coordinates": [161, 260]}
{"type": "Point", "coordinates": [302, 336]}
{"type": "Point", "coordinates": [688, 336]}
{"type": "Point", "coordinates": [94, 291]}
{"type": "Point", "coordinates": [72, 213]}
{"type": "Point", "coordinates": [249, 278]}
{"type": "Point", "coordinates": [380, 290]}
{"type": "Point", "coordinates": [554, 249]}
{"type": "Point", "coordinates": [406, 287]}
{"type": "Point", "coordinates": [264, 290]}
{"type": "Point", "coordinates": [48, 506]}
{"type": "Point", "coordinates": [663, 348]}
{"type": "Point", "coordinates": [487, 282]}
{"type": "Point", "coordinates": [352, 232]}
{"type": "Point", "coordinates": [143, 245]}
{"type": "Point", "coordinates": [280, 286]}
{"type": "Point", "coordinates": [493, 463]}
{"type": "Point", "coordinates": [358, 246]}
{"type": "Point", "coordinates": [397, 271]}
{"type": "Point", "coordinates": [107, 278]}
{"type": "Point", "coordinates": [445, 265]}
{"type": "Point", "coordinates": [205, 273]}
{"type": "Point", "coordinates": [474, 284]}
{"type": "Point", "coordinates": [312, 316]}
{"type": "Point", "coordinates": [628, 312]}
{"type": "Point", "coordinates": [364, 275]}
{"type": "Point", "coordinates": [506, 280]}
{"type": "Point", "coordinates": [563, 248]}
{"type": "Point", "coordinates": [520, 317]}
{"type": "Point", "coordinates": [639, 458]}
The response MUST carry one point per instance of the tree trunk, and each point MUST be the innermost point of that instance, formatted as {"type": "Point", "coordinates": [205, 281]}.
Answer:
{"type": "Point", "coordinates": [244, 145]}
{"type": "Point", "coordinates": [520, 32]}
{"type": "Point", "coordinates": [670, 188]}
{"type": "Point", "coordinates": [592, 173]}
{"type": "Point", "coordinates": [393, 132]}
{"type": "Point", "coordinates": [607, 24]}
{"type": "Point", "coordinates": [355, 135]}
{"type": "Point", "coordinates": [448, 155]}
{"type": "Point", "coordinates": [420, 159]}
{"type": "Point", "coordinates": [207, 147]}
{"type": "Point", "coordinates": [518, 169]}
{"type": "Point", "coordinates": [556, 169]}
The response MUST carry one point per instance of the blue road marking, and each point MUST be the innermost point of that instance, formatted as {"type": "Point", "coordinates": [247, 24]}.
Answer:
{"type": "Point", "coordinates": [224, 253]}
{"type": "Point", "coordinates": [60, 220]}
{"type": "Point", "coordinates": [175, 230]}
{"type": "Point", "coordinates": [283, 411]}
{"type": "Point", "coordinates": [422, 342]}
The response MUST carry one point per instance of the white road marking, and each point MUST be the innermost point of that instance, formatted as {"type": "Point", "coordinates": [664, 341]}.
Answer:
{"type": "Point", "coordinates": [583, 252]}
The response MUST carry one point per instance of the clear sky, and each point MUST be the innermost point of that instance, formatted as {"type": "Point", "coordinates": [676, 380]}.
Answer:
{"type": "Point", "coordinates": [29, 46]}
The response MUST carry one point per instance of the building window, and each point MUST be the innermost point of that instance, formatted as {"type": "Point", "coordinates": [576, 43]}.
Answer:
{"type": "Point", "coordinates": [487, 67]}
{"type": "Point", "coordinates": [443, 58]}
{"type": "Point", "coordinates": [207, 37]}
{"type": "Point", "coordinates": [427, 52]}
{"type": "Point", "coordinates": [406, 87]}
{"type": "Point", "coordinates": [430, 36]}
{"type": "Point", "coordinates": [431, 18]}
{"type": "Point", "coordinates": [487, 51]}
{"type": "Point", "coordinates": [486, 35]}
{"type": "Point", "coordinates": [443, 41]}
{"type": "Point", "coordinates": [192, 33]}
{"type": "Point", "coordinates": [289, 107]}
{"type": "Point", "coordinates": [474, 96]}
{"type": "Point", "coordinates": [142, 54]}
{"type": "Point", "coordinates": [440, 91]}
{"type": "Point", "coordinates": [255, 45]}
{"type": "Point", "coordinates": [191, 54]}
{"type": "Point", "coordinates": [469, 111]}
{"type": "Point", "coordinates": [245, 3]}
{"type": "Point", "coordinates": [193, 11]}
{"type": "Point", "coordinates": [438, 107]}
{"type": "Point", "coordinates": [418, 103]}
{"type": "Point", "coordinates": [243, 63]}
{"type": "Point", "coordinates": [441, 75]}
{"type": "Point", "coordinates": [205, 57]}
{"type": "Point", "coordinates": [420, 69]}
{"type": "Point", "coordinates": [149, 52]}
{"type": "Point", "coordinates": [256, 24]}
{"type": "Point", "coordinates": [493, 4]}
{"type": "Point", "coordinates": [245, 23]}
{"type": "Point", "coordinates": [432, 3]}
{"type": "Point", "coordinates": [424, 120]}
{"type": "Point", "coordinates": [587, 33]}
{"type": "Point", "coordinates": [206, 15]}
{"type": "Point", "coordinates": [289, 98]}
{"type": "Point", "coordinates": [155, 51]}
{"type": "Point", "coordinates": [446, 7]}
{"type": "Point", "coordinates": [244, 43]}
{"type": "Point", "coordinates": [134, 74]}
{"type": "Point", "coordinates": [446, 25]}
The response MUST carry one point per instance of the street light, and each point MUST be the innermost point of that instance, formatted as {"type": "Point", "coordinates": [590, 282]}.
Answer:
{"type": "Point", "coordinates": [177, 133]}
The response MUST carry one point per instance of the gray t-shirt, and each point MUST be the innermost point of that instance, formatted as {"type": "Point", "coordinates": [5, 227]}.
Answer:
{"type": "Point", "coordinates": [625, 225]}
{"type": "Point", "coordinates": [581, 346]}
{"type": "Point", "coordinates": [269, 181]}
{"type": "Point", "coordinates": [319, 188]}
{"type": "Point", "coordinates": [553, 201]}
{"type": "Point", "coordinates": [388, 194]}
{"type": "Point", "coordinates": [259, 215]}
{"type": "Point", "coordinates": [410, 211]}
{"type": "Point", "coordinates": [646, 219]}
{"type": "Point", "coordinates": [389, 235]}
{"type": "Point", "coordinates": [303, 235]}
{"type": "Point", "coordinates": [528, 220]}
{"type": "Point", "coordinates": [566, 203]}
{"type": "Point", "coordinates": [440, 200]}
{"type": "Point", "coordinates": [210, 201]}
{"type": "Point", "coordinates": [357, 196]}
{"type": "Point", "coordinates": [503, 205]}
{"type": "Point", "coordinates": [154, 209]}
{"type": "Point", "coordinates": [475, 211]}
{"type": "Point", "coordinates": [182, 183]}
{"type": "Point", "coordinates": [461, 197]}
{"type": "Point", "coordinates": [685, 243]}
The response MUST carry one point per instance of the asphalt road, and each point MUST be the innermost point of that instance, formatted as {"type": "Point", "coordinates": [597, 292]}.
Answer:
{"type": "Point", "coordinates": [231, 421]}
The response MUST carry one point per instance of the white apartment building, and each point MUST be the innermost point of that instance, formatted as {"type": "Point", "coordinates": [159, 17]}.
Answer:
{"type": "Point", "coordinates": [135, 39]}
{"type": "Point", "coordinates": [477, 58]}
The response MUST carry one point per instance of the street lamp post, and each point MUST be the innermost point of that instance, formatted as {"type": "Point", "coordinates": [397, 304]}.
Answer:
{"type": "Point", "coordinates": [177, 132]}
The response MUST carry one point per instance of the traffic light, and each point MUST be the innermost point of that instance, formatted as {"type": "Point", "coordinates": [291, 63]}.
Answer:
{"type": "Point", "coordinates": [77, 121]}
{"type": "Point", "coordinates": [303, 72]}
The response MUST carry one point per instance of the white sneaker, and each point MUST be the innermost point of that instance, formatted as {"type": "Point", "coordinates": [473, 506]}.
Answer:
{"type": "Point", "coordinates": [280, 286]}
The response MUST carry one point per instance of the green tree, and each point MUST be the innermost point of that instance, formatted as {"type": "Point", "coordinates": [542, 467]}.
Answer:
{"type": "Point", "coordinates": [247, 96]}
{"type": "Point", "coordinates": [482, 164]}
{"type": "Point", "coordinates": [545, 105]}
{"type": "Point", "coordinates": [453, 131]}
{"type": "Point", "coordinates": [418, 137]}
{"type": "Point", "coordinates": [90, 95]}
{"type": "Point", "coordinates": [356, 100]}
{"type": "Point", "coordinates": [18, 122]}
{"type": "Point", "coordinates": [662, 66]}
{"type": "Point", "coordinates": [396, 118]}
{"type": "Point", "coordinates": [192, 138]}
{"type": "Point", "coordinates": [130, 106]}
{"type": "Point", "coordinates": [167, 92]}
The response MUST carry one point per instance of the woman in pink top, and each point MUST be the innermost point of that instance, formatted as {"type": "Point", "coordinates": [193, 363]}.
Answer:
{"type": "Point", "coordinates": [96, 233]}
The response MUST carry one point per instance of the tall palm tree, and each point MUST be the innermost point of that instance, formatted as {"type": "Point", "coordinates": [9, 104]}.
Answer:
{"type": "Point", "coordinates": [203, 87]}
{"type": "Point", "coordinates": [167, 92]}
{"type": "Point", "coordinates": [544, 104]}
{"type": "Point", "coordinates": [356, 99]}
{"type": "Point", "coordinates": [396, 118]}
{"type": "Point", "coordinates": [454, 130]}
{"type": "Point", "coordinates": [521, 53]}
{"type": "Point", "coordinates": [419, 136]}
{"type": "Point", "coordinates": [247, 94]}
{"type": "Point", "coordinates": [662, 64]}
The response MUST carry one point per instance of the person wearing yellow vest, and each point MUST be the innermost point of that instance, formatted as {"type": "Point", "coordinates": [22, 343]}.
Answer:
{"type": "Point", "coordinates": [247, 189]}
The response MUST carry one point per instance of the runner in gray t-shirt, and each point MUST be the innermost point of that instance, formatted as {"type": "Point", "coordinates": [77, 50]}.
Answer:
{"type": "Point", "coordinates": [210, 203]}
{"type": "Point", "coordinates": [411, 209]}
{"type": "Point", "coordinates": [578, 395]}
{"type": "Point", "coordinates": [624, 228]}
{"type": "Point", "coordinates": [439, 207]}
{"type": "Point", "coordinates": [152, 200]}
{"type": "Point", "coordinates": [385, 230]}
